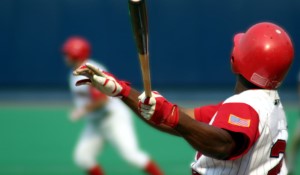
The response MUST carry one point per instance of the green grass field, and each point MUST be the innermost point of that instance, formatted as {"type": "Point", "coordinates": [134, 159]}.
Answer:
{"type": "Point", "coordinates": [40, 140]}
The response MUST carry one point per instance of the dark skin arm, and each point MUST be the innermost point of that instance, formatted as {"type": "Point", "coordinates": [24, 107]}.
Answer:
{"type": "Point", "coordinates": [209, 140]}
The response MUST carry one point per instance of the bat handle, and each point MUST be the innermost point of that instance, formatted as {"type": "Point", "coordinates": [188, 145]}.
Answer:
{"type": "Point", "coordinates": [144, 62]}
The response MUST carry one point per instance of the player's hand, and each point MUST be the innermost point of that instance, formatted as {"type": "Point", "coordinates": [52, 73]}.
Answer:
{"type": "Point", "coordinates": [158, 110]}
{"type": "Point", "coordinates": [103, 81]}
{"type": "Point", "coordinates": [77, 114]}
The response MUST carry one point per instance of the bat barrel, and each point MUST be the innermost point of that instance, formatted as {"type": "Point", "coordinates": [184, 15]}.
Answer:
{"type": "Point", "coordinates": [139, 21]}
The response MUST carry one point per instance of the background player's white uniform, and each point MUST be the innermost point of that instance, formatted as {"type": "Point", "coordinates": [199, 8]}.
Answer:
{"type": "Point", "coordinates": [112, 123]}
{"type": "Point", "coordinates": [259, 115]}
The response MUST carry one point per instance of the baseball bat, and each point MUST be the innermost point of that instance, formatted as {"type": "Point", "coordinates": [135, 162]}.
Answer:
{"type": "Point", "coordinates": [139, 21]}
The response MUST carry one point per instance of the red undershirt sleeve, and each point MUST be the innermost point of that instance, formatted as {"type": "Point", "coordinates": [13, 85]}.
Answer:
{"type": "Point", "coordinates": [205, 113]}
{"type": "Point", "coordinates": [239, 118]}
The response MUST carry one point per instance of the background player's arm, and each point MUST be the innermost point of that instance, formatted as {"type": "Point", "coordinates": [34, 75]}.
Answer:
{"type": "Point", "coordinates": [98, 100]}
{"type": "Point", "coordinates": [95, 105]}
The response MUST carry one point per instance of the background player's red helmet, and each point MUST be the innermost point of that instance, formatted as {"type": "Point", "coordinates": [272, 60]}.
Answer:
{"type": "Point", "coordinates": [77, 48]}
{"type": "Point", "coordinates": [263, 55]}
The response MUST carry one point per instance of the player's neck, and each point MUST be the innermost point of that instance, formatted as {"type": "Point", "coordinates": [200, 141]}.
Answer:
{"type": "Point", "coordinates": [239, 87]}
{"type": "Point", "coordinates": [242, 85]}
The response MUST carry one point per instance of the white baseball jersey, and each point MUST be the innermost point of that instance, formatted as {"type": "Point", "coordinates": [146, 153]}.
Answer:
{"type": "Point", "coordinates": [259, 116]}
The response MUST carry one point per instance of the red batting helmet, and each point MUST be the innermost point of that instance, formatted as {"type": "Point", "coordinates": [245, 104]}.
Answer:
{"type": "Point", "coordinates": [77, 48]}
{"type": "Point", "coordinates": [263, 55]}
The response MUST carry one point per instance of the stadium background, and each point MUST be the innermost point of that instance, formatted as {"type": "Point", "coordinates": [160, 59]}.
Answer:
{"type": "Point", "coordinates": [190, 45]}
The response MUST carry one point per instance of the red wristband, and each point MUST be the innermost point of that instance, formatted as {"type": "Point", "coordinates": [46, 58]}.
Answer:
{"type": "Point", "coordinates": [166, 113]}
{"type": "Point", "coordinates": [173, 118]}
{"type": "Point", "coordinates": [125, 88]}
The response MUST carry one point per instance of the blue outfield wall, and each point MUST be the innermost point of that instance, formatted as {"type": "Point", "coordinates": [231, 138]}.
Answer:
{"type": "Point", "coordinates": [190, 41]}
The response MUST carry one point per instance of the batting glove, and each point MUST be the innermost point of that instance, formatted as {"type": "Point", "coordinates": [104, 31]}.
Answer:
{"type": "Point", "coordinates": [103, 81]}
{"type": "Point", "coordinates": [158, 110]}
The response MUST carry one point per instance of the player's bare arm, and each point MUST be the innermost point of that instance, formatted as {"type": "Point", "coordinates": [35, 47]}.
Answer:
{"type": "Point", "coordinates": [131, 98]}
{"type": "Point", "coordinates": [209, 140]}
{"type": "Point", "coordinates": [196, 133]}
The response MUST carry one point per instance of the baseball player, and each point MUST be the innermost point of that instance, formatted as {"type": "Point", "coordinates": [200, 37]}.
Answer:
{"type": "Point", "coordinates": [244, 134]}
{"type": "Point", "coordinates": [107, 119]}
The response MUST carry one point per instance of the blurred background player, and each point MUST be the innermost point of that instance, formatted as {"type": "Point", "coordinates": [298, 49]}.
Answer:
{"type": "Point", "coordinates": [244, 134]}
{"type": "Point", "coordinates": [107, 119]}
{"type": "Point", "coordinates": [295, 139]}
